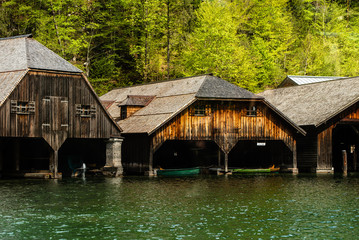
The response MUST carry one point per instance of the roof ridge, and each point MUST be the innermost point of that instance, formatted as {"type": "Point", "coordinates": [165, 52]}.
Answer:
{"type": "Point", "coordinates": [27, 56]}
{"type": "Point", "coordinates": [162, 81]}
{"type": "Point", "coordinates": [18, 36]}
{"type": "Point", "coordinates": [311, 84]}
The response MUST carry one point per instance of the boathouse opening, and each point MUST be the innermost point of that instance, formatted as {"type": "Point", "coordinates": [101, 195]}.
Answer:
{"type": "Point", "coordinates": [186, 154]}
{"type": "Point", "coordinates": [260, 154]}
{"type": "Point", "coordinates": [345, 139]}
{"type": "Point", "coordinates": [74, 152]}
{"type": "Point", "coordinates": [20, 155]}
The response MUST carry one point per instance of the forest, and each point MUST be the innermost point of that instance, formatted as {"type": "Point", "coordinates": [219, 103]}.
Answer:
{"type": "Point", "coordinates": [251, 43]}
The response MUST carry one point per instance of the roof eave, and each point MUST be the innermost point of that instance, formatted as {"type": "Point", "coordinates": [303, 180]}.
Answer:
{"type": "Point", "coordinates": [299, 129]}
{"type": "Point", "coordinates": [172, 116]}
{"type": "Point", "coordinates": [356, 100]}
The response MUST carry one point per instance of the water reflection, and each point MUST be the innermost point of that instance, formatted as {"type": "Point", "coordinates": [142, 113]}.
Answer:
{"type": "Point", "coordinates": [237, 207]}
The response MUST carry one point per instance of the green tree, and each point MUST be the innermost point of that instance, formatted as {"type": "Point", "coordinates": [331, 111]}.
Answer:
{"type": "Point", "coordinates": [215, 47]}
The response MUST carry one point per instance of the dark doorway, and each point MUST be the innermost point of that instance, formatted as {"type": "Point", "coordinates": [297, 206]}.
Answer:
{"type": "Point", "coordinates": [185, 154]}
{"type": "Point", "coordinates": [24, 154]}
{"type": "Point", "coordinates": [260, 154]}
{"type": "Point", "coordinates": [75, 152]}
{"type": "Point", "coordinates": [345, 138]}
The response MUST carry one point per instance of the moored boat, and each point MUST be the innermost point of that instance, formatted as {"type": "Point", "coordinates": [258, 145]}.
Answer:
{"type": "Point", "coordinates": [178, 172]}
{"type": "Point", "coordinates": [256, 170]}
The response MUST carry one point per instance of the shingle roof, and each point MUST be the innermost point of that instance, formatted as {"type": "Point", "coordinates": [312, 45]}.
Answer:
{"type": "Point", "coordinates": [8, 82]}
{"type": "Point", "coordinates": [292, 80]}
{"type": "Point", "coordinates": [316, 103]}
{"type": "Point", "coordinates": [23, 52]}
{"type": "Point", "coordinates": [172, 97]}
{"type": "Point", "coordinates": [133, 100]}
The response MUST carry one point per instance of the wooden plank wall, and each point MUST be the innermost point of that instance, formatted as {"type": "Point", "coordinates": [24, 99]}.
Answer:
{"type": "Point", "coordinates": [325, 149]}
{"type": "Point", "coordinates": [63, 92]}
{"type": "Point", "coordinates": [226, 125]}
{"type": "Point", "coordinates": [325, 138]}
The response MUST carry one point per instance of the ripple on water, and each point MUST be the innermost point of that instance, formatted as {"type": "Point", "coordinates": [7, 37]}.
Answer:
{"type": "Point", "coordinates": [261, 207]}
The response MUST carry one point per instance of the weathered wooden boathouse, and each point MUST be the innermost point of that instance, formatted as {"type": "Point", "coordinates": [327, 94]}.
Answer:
{"type": "Point", "coordinates": [295, 80]}
{"type": "Point", "coordinates": [50, 117]}
{"type": "Point", "coordinates": [200, 121]}
{"type": "Point", "coordinates": [329, 112]}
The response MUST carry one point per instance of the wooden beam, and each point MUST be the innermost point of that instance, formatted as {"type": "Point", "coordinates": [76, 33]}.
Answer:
{"type": "Point", "coordinates": [345, 162]}
{"type": "Point", "coordinates": [225, 162]}
{"type": "Point", "coordinates": [150, 160]}
{"type": "Point", "coordinates": [295, 162]}
{"type": "Point", "coordinates": [54, 160]}
{"type": "Point", "coordinates": [349, 121]}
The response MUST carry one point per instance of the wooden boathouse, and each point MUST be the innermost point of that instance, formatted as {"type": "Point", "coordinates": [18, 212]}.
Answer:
{"type": "Point", "coordinates": [200, 121]}
{"type": "Point", "coordinates": [329, 113]}
{"type": "Point", "coordinates": [295, 80]}
{"type": "Point", "coordinates": [50, 117]}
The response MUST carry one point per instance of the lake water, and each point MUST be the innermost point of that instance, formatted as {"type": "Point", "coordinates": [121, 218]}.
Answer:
{"type": "Point", "coordinates": [212, 207]}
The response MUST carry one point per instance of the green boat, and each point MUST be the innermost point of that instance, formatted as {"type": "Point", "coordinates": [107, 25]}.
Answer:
{"type": "Point", "coordinates": [178, 172]}
{"type": "Point", "coordinates": [256, 170]}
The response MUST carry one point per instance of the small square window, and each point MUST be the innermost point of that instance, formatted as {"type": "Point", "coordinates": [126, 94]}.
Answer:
{"type": "Point", "coordinates": [201, 110]}
{"type": "Point", "coordinates": [251, 111]}
{"type": "Point", "coordinates": [85, 110]}
{"type": "Point", "coordinates": [22, 107]}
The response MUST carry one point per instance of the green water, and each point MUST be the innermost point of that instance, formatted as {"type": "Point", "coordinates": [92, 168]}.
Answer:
{"type": "Point", "coordinates": [235, 207]}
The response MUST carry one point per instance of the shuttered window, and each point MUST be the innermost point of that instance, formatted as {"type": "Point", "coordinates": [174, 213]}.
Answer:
{"type": "Point", "coordinates": [251, 111]}
{"type": "Point", "coordinates": [22, 107]}
{"type": "Point", "coordinates": [85, 110]}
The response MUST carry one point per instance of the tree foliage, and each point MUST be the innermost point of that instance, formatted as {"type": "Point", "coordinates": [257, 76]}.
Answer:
{"type": "Point", "coordinates": [252, 43]}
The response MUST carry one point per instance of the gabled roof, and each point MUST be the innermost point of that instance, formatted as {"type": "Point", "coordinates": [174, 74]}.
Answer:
{"type": "Point", "coordinates": [172, 97]}
{"type": "Point", "coordinates": [134, 100]}
{"type": "Point", "coordinates": [8, 82]}
{"type": "Point", "coordinates": [24, 52]}
{"type": "Point", "coordinates": [292, 80]}
{"type": "Point", "coordinates": [316, 103]}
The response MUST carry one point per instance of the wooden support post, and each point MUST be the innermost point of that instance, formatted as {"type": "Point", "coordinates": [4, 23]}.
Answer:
{"type": "Point", "coordinates": [225, 162]}
{"type": "Point", "coordinates": [295, 163]}
{"type": "Point", "coordinates": [54, 160]}
{"type": "Point", "coordinates": [345, 162]}
{"type": "Point", "coordinates": [150, 161]}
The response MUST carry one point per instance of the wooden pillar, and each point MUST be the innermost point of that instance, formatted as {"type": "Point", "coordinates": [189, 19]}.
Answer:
{"type": "Point", "coordinates": [225, 162]}
{"type": "Point", "coordinates": [150, 160]}
{"type": "Point", "coordinates": [54, 160]}
{"type": "Point", "coordinates": [345, 162]}
{"type": "Point", "coordinates": [295, 163]}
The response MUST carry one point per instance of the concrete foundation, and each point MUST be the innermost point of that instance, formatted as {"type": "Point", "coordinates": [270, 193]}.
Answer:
{"type": "Point", "coordinates": [113, 165]}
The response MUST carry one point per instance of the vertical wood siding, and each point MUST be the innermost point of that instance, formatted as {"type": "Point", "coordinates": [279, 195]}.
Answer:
{"type": "Point", "coordinates": [325, 149]}
{"type": "Point", "coordinates": [325, 138]}
{"type": "Point", "coordinates": [55, 96]}
{"type": "Point", "coordinates": [226, 124]}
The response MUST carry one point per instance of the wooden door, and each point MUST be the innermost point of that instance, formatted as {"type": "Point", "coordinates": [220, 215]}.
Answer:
{"type": "Point", "coordinates": [55, 120]}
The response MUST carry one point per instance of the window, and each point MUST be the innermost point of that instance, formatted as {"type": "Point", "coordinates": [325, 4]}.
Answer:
{"type": "Point", "coordinates": [22, 107]}
{"type": "Point", "coordinates": [123, 112]}
{"type": "Point", "coordinates": [201, 110]}
{"type": "Point", "coordinates": [251, 111]}
{"type": "Point", "coordinates": [85, 110]}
